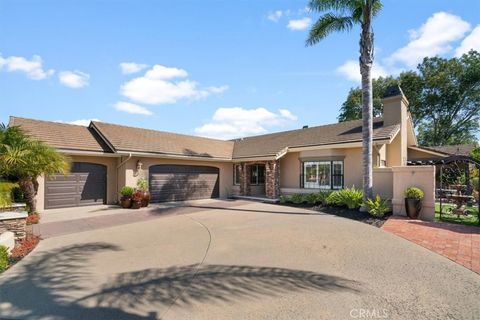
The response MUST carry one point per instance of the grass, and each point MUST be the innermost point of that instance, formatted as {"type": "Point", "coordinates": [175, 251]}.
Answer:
{"type": "Point", "coordinates": [470, 220]}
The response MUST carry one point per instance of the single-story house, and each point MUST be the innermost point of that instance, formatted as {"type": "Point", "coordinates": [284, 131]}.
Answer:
{"type": "Point", "coordinates": [107, 157]}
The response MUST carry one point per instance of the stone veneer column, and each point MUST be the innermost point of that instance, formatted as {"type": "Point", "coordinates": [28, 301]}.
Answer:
{"type": "Point", "coordinates": [272, 179]}
{"type": "Point", "coordinates": [245, 180]}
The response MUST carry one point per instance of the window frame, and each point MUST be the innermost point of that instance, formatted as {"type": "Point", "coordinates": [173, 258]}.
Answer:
{"type": "Point", "coordinates": [235, 174]}
{"type": "Point", "coordinates": [256, 166]}
{"type": "Point", "coordinates": [332, 177]}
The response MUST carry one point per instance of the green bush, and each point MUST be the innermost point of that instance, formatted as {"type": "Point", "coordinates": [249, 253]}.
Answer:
{"type": "Point", "coordinates": [297, 198]}
{"type": "Point", "coordinates": [284, 199]}
{"type": "Point", "coordinates": [127, 191]}
{"type": "Point", "coordinates": [414, 193]}
{"type": "Point", "coordinates": [6, 197]}
{"type": "Point", "coordinates": [142, 184]}
{"type": "Point", "coordinates": [349, 197]}
{"type": "Point", "coordinates": [322, 197]}
{"type": "Point", "coordinates": [475, 183]}
{"type": "Point", "coordinates": [377, 207]}
{"type": "Point", "coordinates": [3, 258]}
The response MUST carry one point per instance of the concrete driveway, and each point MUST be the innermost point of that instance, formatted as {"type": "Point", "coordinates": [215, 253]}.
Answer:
{"type": "Point", "coordinates": [237, 260]}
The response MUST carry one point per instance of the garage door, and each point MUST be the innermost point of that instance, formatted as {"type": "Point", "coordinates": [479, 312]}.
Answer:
{"type": "Point", "coordinates": [86, 185]}
{"type": "Point", "coordinates": [177, 182]}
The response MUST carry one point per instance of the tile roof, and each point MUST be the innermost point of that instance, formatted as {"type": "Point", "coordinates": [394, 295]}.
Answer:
{"type": "Point", "coordinates": [130, 139]}
{"type": "Point", "coordinates": [349, 131]}
{"type": "Point", "coordinates": [61, 135]}
{"type": "Point", "coordinates": [458, 149]}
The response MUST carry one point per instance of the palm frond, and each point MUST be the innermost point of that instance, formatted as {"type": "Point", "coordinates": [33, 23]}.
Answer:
{"type": "Point", "coordinates": [328, 24]}
{"type": "Point", "coordinates": [340, 6]}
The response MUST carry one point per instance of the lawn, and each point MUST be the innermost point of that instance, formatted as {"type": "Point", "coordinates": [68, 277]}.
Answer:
{"type": "Point", "coordinates": [470, 220]}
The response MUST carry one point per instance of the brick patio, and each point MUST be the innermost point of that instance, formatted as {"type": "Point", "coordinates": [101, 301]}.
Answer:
{"type": "Point", "coordinates": [456, 242]}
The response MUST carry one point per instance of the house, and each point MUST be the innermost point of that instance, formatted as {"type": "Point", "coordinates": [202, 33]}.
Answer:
{"type": "Point", "coordinates": [180, 167]}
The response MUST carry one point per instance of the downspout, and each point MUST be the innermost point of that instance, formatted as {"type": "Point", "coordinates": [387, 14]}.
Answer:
{"type": "Point", "coordinates": [118, 167]}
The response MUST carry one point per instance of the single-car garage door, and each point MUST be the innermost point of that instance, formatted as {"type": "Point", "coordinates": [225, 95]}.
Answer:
{"type": "Point", "coordinates": [85, 185]}
{"type": "Point", "coordinates": [177, 182]}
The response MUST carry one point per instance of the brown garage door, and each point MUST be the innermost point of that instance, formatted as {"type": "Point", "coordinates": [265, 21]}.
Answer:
{"type": "Point", "coordinates": [85, 185]}
{"type": "Point", "coordinates": [177, 182]}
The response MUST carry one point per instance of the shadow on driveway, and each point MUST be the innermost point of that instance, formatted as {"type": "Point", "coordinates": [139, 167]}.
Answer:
{"type": "Point", "coordinates": [41, 286]}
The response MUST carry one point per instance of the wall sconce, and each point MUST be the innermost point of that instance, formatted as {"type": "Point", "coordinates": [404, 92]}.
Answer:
{"type": "Point", "coordinates": [138, 168]}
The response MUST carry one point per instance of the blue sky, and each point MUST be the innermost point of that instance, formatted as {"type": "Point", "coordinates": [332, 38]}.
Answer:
{"type": "Point", "coordinates": [208, 68]}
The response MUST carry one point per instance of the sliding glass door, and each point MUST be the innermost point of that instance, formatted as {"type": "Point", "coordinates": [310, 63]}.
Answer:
{"type": "Point", "coordinates": [323, 174]}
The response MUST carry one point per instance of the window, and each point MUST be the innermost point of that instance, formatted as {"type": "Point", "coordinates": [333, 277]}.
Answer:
{"type": "Point", "coordinates": [257, 174]}
{"type": "Point", "coordinates": [322, 174]}
{"type": "Point", "coordinates": [237, 172]}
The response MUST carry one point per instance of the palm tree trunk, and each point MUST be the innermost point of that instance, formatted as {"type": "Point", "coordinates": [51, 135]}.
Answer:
{"type": "Point", "coordinates": [28, 189]}
{"type": "Point", "coordinates": [366, 63]}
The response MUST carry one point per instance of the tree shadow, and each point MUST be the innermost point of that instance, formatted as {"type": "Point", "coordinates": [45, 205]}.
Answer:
{"type": "Point", "coordinates": [42, 286]}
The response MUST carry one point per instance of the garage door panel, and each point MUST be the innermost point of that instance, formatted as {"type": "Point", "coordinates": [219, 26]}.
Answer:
{"type": "Point", "coordinates": [178, 182]}
{"type": "Point", "coordinates": [85, 185]}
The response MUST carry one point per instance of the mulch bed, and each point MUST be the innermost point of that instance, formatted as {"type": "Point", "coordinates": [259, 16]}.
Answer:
{"type": "Point", "coordinates": [356, 215]}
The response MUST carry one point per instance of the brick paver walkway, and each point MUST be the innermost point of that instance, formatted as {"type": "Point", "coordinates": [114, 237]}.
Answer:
{"type": "Point", "coordinates": [456, 242]}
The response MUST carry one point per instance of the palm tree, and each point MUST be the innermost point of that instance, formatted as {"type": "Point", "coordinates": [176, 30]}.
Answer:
{"type": "Point", "coordinates": [25, 159]}
{"type": "Point", "coordinates": [340, 16]}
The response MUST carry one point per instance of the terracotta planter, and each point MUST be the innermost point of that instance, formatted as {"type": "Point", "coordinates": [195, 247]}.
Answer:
{"type": "Point", "coordinates": [413, 208]}
{"type": "Point", "coordinates": [126, 202]}
{"type": "Point", "coordinates": [145, 198]}
{"type": "Point", "coordinates": [136, 204]}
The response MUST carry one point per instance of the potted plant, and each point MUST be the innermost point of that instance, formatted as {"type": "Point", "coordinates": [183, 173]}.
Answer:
{"type": "Point", "coordinates": [413, 202]}
{"type": "Point", "coordinates": [142, 186]}
{"type": "Point", "coordinates": [137, 199]}
{"type": "Point", "coordinates": [126, 199]}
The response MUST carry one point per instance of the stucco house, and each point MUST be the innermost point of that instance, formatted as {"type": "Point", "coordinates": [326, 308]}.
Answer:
{"type": "Point", "coordinates": [180, 167]}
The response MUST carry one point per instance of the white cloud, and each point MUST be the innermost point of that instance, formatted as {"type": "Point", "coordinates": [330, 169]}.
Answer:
{"type": "Point", "coordinates": [74, 79]}
{"type": "Point", "coordinates": [132, 108]}
{"type": "Point", "coordinates": [299, 24]}
{"type": "Point", "coordinates": [434, 37]}
{"type": "Point", "coordinates": [80, 122]}
{"type": "Point", "coordinates": [228, 123]}
{"type": "Point", "coordinates": [351, 70]}
{"type": "Point", "coordinates": [472, 41]}
{"type": "Point", "coordinates": [33, 68]}
{"type": "Point", "coordinates": [275, 15]}
{"type": "Point", "coordinates": [132, 67]}
{"type": "Point", "coordinates": [159, 86]}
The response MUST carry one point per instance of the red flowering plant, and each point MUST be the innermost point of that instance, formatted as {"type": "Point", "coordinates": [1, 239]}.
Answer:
{"type": "Point", "coordinates": [24, 246]}
{"type": "Point", "coordinates": [33, 218]}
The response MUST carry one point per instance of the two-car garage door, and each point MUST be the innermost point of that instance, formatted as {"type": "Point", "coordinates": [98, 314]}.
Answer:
{"type": "Point", "coordinates": [180, 182]}
{"type": "Point", "coordinates": [85, 185]}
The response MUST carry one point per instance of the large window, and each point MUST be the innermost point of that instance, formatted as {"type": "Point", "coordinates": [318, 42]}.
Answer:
{"type": "Point", "coordinates": [322, 174]}
{"type": "Point", "coordinates": [237, 171]}
{"type": "Point", "coordinates": [257, 174]}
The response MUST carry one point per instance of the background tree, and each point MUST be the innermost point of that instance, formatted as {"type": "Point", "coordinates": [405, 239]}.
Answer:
{"type": "Point", "coordinates": [340, 16]}
{"type": "Point", "coordinates": [24, 159]}
{"type": "Point", "coordinates": [444, 97]}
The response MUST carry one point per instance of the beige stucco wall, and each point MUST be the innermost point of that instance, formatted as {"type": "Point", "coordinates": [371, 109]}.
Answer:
{"type": "Point", "coordinates": [128, 174]}
{"type": "Point", "coordinates": [383, 182]}
{"type": "Point", "coordinates": [109, 162]}
{"type": "Point", "coordinates": [395, 111]}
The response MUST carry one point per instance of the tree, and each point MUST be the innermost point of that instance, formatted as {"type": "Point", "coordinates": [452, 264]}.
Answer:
{"type": "Point", "coordinates": [340, 16]}
{"type": "Point", "coordinates": [25, 159]}
{"type": "Point", "coordinates": [443, 95]}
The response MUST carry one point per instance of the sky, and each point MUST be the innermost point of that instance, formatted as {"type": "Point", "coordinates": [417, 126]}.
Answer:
{"type": "Point", "coordinates": [219, 69]}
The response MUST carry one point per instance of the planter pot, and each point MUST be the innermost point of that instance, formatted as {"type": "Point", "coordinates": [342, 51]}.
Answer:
{"type": "Point", "coordinates": [136, 204]}
{"type": "Point", "coordinates": [145, 199]}
{"type": "Point", "coordinates": [126, 202]}
{"type": "Point", "coordinates": [413, 208]}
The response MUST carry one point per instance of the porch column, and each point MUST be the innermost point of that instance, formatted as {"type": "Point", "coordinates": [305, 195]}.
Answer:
{"type": "Point", "coordinates": [245, 180]}
{"type": "Point", "coordinates": [272, 179]}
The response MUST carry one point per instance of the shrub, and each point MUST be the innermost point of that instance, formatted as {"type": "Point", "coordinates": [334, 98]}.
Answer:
{"type": "Point", "coordinates": [475, 183]}
{"type": "Point", "coordinates": [25, 246]}
{"type": "Point", "coordinates": [127, 191]}
{"type": "Point", "coordinates": [142, 184]}
{"type": "Point", "coordinates": [3, 258]}
{"type": "Point", "coordinates": [296, 198]}
{"type": "Point", "coordinates": [312, 198]}
{"type": "Point", "coordinates": [349, 197]}
{"type": "Point", "coordinates": [137, 196]}
{"type": "Point", "coordinates": [33, 218]}
{"type": "Point", "coordinates": [377, 207]}
{"type": "Point", "coordinates": [414, 193]}
{"type": "Point", "coordinates": [322, 197]}
{"type": "Point", "coordinates": [284, 199]}
{"type": "Point", "coordinates": [6, 193]}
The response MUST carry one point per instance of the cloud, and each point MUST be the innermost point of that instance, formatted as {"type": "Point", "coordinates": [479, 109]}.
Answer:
{"type": "Point", "coordinates": [275, 15]}
{"type": "Point", "coordinates": [74, 79]}
{"type": "Point", "coordinates": [434, 37]}
{"type": "Point", "coordinates": [80, 122]}
{"type": "Point", "coordinates": [472, 41]}
{"type": "Point", "coordinates": [132, 108]}
{"type": "Point", "coordinates": [299, 24]}
{"type": "Point", "coordinates": [132, 67]}
{"type": "Point", "coordinates": [160, 85]}
{"type": "Point", "coordinates": [235, 122]}
{"type": "Point", "coordinates": [351, 70]}
{"type": "Point", "coordinates": [33, 68]}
